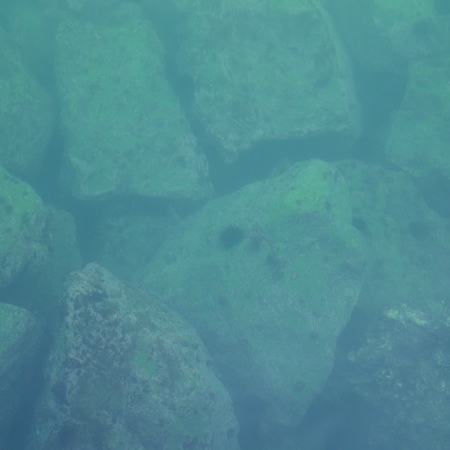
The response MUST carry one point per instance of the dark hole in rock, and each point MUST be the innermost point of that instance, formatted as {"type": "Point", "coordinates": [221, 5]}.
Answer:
{"type": "Point", "coordinates": [230, 237]}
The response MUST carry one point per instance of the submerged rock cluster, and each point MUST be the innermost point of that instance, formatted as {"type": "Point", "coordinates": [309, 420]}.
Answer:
{"type": "Point", "coordinates": [224, 224]}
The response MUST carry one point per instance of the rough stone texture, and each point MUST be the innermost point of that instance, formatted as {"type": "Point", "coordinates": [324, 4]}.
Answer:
{"type": "Point", "coordinates": [27, 114]}
{"type": "Point", "coordinates": [124, 130]}
{"type": "Point", "coordinates": [264, 70]}
{"type": "Point", "coordinates": [407, 242]}
{"type": "Point", "coordinates": [22, 221]}
{"type": "Point", "coordinates": [20, 340]}
{"type": "Point", "coordinates": [401, 372]}
{"type": "Point", "coordinates": [126, 372]}
{"type": "Point", "coordinates": [268, 276]}
{"type": "Point", "coordinates": [420, 132]}
{"type": "Point", "coordinates": [394, 356]}
{"type": "Point", "coordinates": [384, 35]}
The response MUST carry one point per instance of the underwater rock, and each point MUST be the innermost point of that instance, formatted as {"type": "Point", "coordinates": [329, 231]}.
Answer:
{"type": "Point", "coordinates": [263, 71]}
{"type": "Point", "coordinates": [407, 242]}
{"type": "Point", "coordinates": [124, 130]}
{"type": "Point", "coordinates": [390, 380]}
{"type": "Point", "coordinates": [126, 372]}
{"type": "Point", "coordinates": [402, 373]}
{"type": "Point", "coordinates": [268, 276]}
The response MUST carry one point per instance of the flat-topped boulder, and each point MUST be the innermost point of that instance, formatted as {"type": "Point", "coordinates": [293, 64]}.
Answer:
{"type": "Point", "coordinates": [262, 71]}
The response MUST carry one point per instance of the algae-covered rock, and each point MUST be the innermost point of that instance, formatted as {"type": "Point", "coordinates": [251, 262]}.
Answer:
{"type": "Point", "coordinates": [394, 357]}
{"type": "Point", "coordinates": [385, 35]}
{"type": "Point", "coordinates": [126, 372]}
{"type": "Point", "coordinates": [401, 373]}
{"type": "Point", "coordinates": [407, 242]}
{"type": "Point", "coordinates": [124, 130]}
{"type": "Point", "coordinates": [420, 132]}
{"type": "Point", "coordinates": [264, 70]}
{"type": "Point", "coordinates": [27, 114]}
{"type": "Point", "coordinates": [269, 276]}
{"type": "Point", "coordinates": [20, 341]}
{"type": "Point", "coordinates": [22, 221]}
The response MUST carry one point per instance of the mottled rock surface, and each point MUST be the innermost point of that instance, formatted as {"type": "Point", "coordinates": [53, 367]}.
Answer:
{"type": "Point", "coordinates": [263, 70]}
{"type": "Point", "coordinates": [126, 372]}
{"type": "Point", "coordinates": [392, 364]}
{"type": "Point", "coordinates": [408, 243]}
{"type": "Point", "coordinates": [269, 276]}
{"type": "Point", "coordinates": [401, 372]}
{"type": "Point", "coordinates": [124, 130]}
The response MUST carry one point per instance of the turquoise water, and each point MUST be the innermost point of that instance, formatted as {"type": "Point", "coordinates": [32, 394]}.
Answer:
{"type": "Point", "coordinates": [224, 224]}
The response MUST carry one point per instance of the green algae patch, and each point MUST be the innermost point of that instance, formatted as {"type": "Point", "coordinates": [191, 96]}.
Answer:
{"type": "Point", "coordinates": [318, 191]}
{"type": "Point", "coordinates": [143, 362]}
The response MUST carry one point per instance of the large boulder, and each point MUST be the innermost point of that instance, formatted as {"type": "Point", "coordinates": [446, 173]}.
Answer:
{"type": "Point", "coordinates": [263, 71]}
{"type": "Point", "coordinates": [400, 375]}
{"type": "Point", "coordinates": [394, 356]}
{"type": "Point", "coordinates": [407, 242]}
{"type": "Point", "coordinates": [269, 276]}
{"type": "Point", "coordinates": [126, 372]}
{"type": "Point", "coordinates": [123, 127]}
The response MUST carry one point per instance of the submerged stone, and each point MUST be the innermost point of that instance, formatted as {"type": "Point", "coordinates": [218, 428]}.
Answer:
{"type": "Point", "coordinates": [126, 372]}
{"type": "Point", "coordinates": [268, 276]}
{"type": "Point", "coordinates": [124, 130]}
